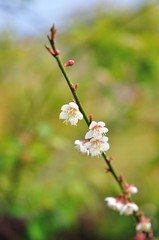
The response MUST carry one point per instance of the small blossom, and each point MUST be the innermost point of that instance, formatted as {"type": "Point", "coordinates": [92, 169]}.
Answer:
{"type": "Point", "coordinates": [144, 225]}
{"type": "Point", "coordinates": [81, 146]}
{"type": "Point", "coordinates": [97, 129]}
{"type": "Point", "coordinates": [97, 146]}
{"type": "Point", "coordinates": [114, 203]}
{"type": "Point", "coordinates": [71, 114]}
{"type": "Point", "coordinates": [69, 63]}
{"type": "Point", "coordinates": [129, 208]}
{"type": "Point", "coordinates": [140, 236]}
{"type": "Point", "coordinates": [129, 188]}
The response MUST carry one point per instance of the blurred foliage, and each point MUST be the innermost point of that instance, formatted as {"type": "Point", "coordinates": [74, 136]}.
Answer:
{"type": "Point", "coordinates": [42, 178]}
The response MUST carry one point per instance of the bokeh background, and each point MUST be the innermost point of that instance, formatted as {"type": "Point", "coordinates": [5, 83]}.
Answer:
{"type": "Point", "coordinates": [47, 189]}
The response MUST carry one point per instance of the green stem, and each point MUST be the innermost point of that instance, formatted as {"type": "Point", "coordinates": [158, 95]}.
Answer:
{"type": "Point", "coordinates": [111, 169]}
{"type": "Point", "coordinates": [59, 62]}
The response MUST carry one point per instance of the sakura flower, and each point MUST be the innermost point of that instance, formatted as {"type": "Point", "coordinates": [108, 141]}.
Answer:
{"type": "Point", "coordinates": [97, 129]}
{"type": "Point", "coordinates": [129, 208]}
{"type": "Point", "coordinates": [129, 188]}
{"type": "Point", "coordinates": [114, 203]}
{"type": "Point", "coordinates": [97, 146]}
{"type": "Point", "coordinates": [81, 146]}
{"type": "Point", "coordinates": [70, 113]}
{"type": "Point", "coordinates": [144, 225]}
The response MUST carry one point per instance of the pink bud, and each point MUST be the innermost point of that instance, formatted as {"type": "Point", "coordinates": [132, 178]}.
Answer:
{"type": "Point", "coordinates": [140, 236]}
{"type": "Point", "coordinates": [129, 188]}
{"type": "Point", "coordinates": [73, 87]}
{"type": "Point", "coordinates": [110, 159]}
{"type": "Point", "coordinates": [56, 52]}
{"type": "Point", "coordinates": [69, 63]}
{"type": "Point", "coordinates": [91, 117]}
{"type": "Point", "coordinates": [76, 86]}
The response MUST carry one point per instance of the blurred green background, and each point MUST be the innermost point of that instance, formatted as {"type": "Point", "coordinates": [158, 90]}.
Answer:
{"type": "Point", "coordinates": [47, 189]}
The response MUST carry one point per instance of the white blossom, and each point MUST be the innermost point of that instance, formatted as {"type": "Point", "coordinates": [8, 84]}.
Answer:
{"type": "Point", "coordinates": [97, 129]}
{"type": "Point", "coordinates": [81, 146]}
{"type": "Point", "coordinates": [144, 225]}
{"type": "Point", "coordinates": [97, 146]}
{"type": "Point", "coordinates": [129, 208]}
{"type": "Point", "coordinates": [114, 203]}
{"type": "Point", "coordinates": [70, 113]}
{"type": "Point", "coordinates": [131, 189]}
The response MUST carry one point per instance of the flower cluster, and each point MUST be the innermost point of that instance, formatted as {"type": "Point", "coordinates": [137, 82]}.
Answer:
{"type": "Point", "coordinates": [123, 207]}
{"type": "Point", "coordinates": [95, 140]}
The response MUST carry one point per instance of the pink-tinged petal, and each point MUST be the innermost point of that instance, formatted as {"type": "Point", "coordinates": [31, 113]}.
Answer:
{"type": "Point", "coordinates": [129, 188]}
{"type": "Point", "coordinates": [64, 107]}
{"type": "Point", "coordinates": [114, 203]}
{"type": "Point", "coordinates": [81, 146]}
{"type": "Point", "coordinates": [73, 120]}
{"type": "Point", "coordinates": [104, 139]}
{"type": "Point", "coordinates": [102, 124]}
{"type": "Point", "coordinates": [88, 135]}
{"type": "Point", "coordinates": [92, 125]}
{"type": "Point", "coordinates": [129, 208]}
{"type": "Point", "coordinates": [73, 105]}
{"type": "Point", "coordinates": [105, 147]}
{"type": "Point", "coordinates": [80, 115]}
{"type": "Point", "coordinates": [63, 115]}
{"type": "Point", "coordinates": [104, 130]}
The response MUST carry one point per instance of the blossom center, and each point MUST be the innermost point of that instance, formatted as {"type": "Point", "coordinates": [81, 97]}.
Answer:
{"type": "Point", "coordinates": [72, 111]}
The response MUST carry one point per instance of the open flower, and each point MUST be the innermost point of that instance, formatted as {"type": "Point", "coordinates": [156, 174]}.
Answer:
{"type": "Point", "coordinates": [81, 146]}
{"type": "Point", "coordinates": [97, 129]}
{"type": "Point", "coordinates": [129, 208]}
{"type": "Point", "coordinates": [97, 146]}
{"type": "Point", "coordinates": [144, 225]}
{"type": "Point", "coordinates": [114, 203]}
{"type": "Point", "coordinates": [70, 113]}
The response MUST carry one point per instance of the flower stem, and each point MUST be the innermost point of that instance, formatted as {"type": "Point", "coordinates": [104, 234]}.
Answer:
{"type": "Point", "coordinates": [59, 62]}
{"type": "Point", "coordinates": [74, 93]}
{"type": "Point", "coordinates": [111, 169]}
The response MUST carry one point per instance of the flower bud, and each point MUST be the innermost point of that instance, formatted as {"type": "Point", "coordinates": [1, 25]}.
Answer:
{"type": "Point", "coordinates": [50, 50]}
{"type": "Point", "coordinates": [144, 225]}
{"type": "Point", "coordinates": [140, 236]}
{"type": "Point", "coordinates": [91, 117]}
{"type": "Point", "coordinates": [129, 188]}
{"type": "Point", "coordinates": [69, 63]}
{"type": "Point", "coordinates": [56, 52]}
{"type": "Point", "coordinates": [76, 86]}
{"type": "Point", "coordinates": [53, 33]}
